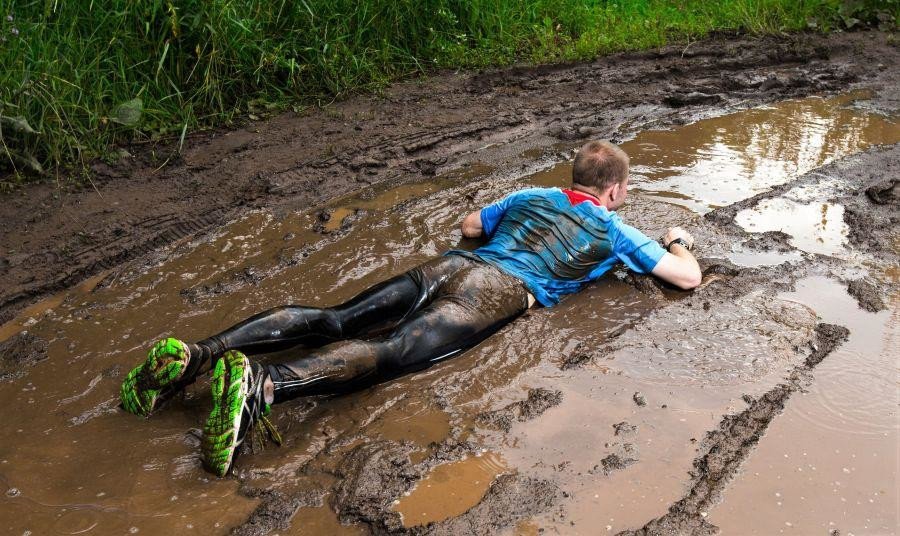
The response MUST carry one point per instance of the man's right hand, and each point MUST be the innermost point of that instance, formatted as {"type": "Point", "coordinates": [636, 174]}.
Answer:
{"type": "Point", "coordinates": [675, 233]}
{"type": "Point", "coordinates": [678, 266]}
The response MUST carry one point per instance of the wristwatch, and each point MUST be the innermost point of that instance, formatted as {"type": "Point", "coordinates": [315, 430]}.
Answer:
{"type": "Point", "coordinates": [680, 241]}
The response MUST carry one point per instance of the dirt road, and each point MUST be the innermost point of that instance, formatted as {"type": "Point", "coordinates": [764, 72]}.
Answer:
{"type": "Point", "coordinates": [55, 238]}
{"type": "Point", "coordinates": [629, 408]}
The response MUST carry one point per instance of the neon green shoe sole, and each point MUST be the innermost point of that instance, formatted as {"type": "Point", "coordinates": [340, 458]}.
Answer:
{"type": "Point", "coordinates": [239, 412]}
{"type": "Point", "coordinates": [221, 433]}
{"type": "Point", "coordinates": [165, 364]}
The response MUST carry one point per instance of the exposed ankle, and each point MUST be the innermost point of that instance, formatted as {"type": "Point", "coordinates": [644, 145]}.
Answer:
{"type": "Point", "coordinates": [269, 390]}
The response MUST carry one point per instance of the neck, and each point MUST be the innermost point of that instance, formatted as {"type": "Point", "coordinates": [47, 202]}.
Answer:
{"type": "Point", "coordinates": [593, 192]}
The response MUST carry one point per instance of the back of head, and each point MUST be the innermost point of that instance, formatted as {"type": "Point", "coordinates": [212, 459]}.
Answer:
{"type": "Point", "coordinates": [600, 164]}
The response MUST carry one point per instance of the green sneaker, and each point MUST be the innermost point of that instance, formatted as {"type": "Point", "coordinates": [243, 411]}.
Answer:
{"type": "Point", "coordinates": [157, 378]}
{"type": "Point", "coordinates": [238, 408]}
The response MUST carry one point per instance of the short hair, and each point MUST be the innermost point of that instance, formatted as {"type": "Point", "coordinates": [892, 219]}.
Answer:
{"type": "Point", "coordinates": [600, 164]}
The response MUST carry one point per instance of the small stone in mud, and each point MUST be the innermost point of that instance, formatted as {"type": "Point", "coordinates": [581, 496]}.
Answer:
{"type": "Point", "coordinates": [639, 399]}
{"type": "Point", "coordinates": [624, 427]}
{"type": "Point", "coordinates": [322, 217]}
{"type": "Point", "coordinates": [867, 295]}
{"type": "Point", "coordinates": [614, 462]}
{"type": "Point", "coordinates": [13, 492]}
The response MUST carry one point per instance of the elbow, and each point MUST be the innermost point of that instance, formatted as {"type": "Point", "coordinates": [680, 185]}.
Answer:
{"type": "Point", "coordinates": [692, 281]}
{"type": "Point", "coordinates": [470, 231]}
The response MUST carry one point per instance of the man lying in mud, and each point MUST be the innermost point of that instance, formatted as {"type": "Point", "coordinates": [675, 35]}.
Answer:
{"type": "Point", "coordinates": [542, 243]}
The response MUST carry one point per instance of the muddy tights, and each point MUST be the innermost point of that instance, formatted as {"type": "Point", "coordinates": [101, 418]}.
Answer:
{"type": "Point", "coordinates": [407, 323]}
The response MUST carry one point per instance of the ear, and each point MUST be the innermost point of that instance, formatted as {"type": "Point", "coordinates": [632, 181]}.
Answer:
{"type": "Point", "coordinates": [615, 191]}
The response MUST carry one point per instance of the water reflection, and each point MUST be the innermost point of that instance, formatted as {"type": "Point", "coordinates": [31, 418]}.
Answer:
{"type": "Point", "coordinates": [719, 161]}
{"type": "Point", "coordinates": [814, 227]}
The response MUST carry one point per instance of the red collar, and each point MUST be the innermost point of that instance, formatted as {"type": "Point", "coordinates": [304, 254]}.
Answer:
{"type": "Point", "coordinates": [576, 197]}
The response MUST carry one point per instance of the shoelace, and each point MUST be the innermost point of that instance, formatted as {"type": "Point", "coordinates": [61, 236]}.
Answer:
{"type": "Point", "coordinates": [263, 428]}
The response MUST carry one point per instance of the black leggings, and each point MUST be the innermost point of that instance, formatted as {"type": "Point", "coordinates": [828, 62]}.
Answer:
{"type": "Point", "coordinates": [434, 311]}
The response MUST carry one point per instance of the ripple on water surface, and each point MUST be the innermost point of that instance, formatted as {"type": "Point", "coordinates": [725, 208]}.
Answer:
{"type": "Point", "coordinates": [857, 389]}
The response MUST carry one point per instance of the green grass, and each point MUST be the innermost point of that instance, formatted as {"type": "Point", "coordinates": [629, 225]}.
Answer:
{"type": "Point", "coordinates": [79, 76]}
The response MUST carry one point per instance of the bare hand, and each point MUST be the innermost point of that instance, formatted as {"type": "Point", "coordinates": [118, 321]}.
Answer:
{"type": "Point", "coordinates": [678, 232]}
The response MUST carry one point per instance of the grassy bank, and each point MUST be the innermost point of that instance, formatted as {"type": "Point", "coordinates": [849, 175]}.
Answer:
{"type": "Point", "coordinates": [78, 76]}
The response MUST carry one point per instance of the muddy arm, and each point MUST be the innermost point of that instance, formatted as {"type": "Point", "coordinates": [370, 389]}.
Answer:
{"type": "Point", "coordinates": [679, 268]}
{"type": "Point", "coordinates": [471, 225]}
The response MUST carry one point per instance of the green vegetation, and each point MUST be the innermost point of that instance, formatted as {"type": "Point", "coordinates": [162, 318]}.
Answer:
{"type": "Point", "coordinates": [77, 76]}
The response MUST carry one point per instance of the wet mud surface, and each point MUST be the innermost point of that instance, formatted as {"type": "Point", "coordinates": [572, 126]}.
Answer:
{"type": "Point", "coordinates": [629, 408]}
{"type": "Point", "coordinates": [538, 401]}
{"type": "Point", "coordinates": [724, 449]}
{"type": "Point", "coordinates": [55, 238]}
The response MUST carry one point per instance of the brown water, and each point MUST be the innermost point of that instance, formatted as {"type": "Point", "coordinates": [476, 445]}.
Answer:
{"type": "Point", "coordinates": [73, 463]}
{"type": "Point", "coordinates": [830, 461]}
{"type": "Point", "coordinates": [719, 161]}
{"type": "Point", "coordinates": [450, 489]}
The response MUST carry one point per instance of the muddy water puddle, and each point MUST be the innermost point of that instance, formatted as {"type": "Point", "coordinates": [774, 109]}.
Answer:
{"type": "Point", "coordinates": [829, 462]}
{"type": "Point", "coordinates": [76, 463]}
{"type": "Point", "coordinates": [450, 489]}
{"type": "Point", "coordinates": [719, 161]}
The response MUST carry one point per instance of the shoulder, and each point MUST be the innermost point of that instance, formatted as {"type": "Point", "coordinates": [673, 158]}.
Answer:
{"type": "Point", "coordinates": [623, 233]}
{"type": "Point", "coordinates": [538, 192]}
{"type": "Point", "coordinates": [534, 193]}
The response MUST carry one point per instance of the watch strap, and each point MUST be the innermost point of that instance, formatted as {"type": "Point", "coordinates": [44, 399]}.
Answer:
{"type": "Point", "coordinates": [680, 241]}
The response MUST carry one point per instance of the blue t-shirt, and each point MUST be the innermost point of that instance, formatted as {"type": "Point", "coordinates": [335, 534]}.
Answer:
{"type": "Point", "coordinates": [554, 247]}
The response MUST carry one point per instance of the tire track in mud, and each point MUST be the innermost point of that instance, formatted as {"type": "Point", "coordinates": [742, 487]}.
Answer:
{"type": "Point", "coordinates": [725, 448]}
{"type": "Point", "coordinates": [414, 131]}
{"type": "Point", "coordinates": [863, 178]}
{"type": "Point", "coordinates": [377, 159]}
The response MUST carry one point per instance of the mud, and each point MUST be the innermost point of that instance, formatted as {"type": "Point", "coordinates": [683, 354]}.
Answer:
{"type": "Point", "coordinates": [867, 294]}
{"type": "Point", "coordinates": [537, 428]}
{"type": "Point", "coordinates": [509, 500]}
{"type": "Point", "coordinates": [723, 450]}
{"type": "Point", "coordinates": [374, 474]}
{"type": "Point", "coordinates": [884, 192]}
{"type": "Point", "coordinates": [778, 241]}
{"type": "Point", "coordinates": [55, 235]}
{"type": "Point", "coordinates": [538, 401]}
{"type": "Point", "coordinates": [20, 351]}
{"type": "Point", "coordinates": [615, 462]}
{"type": "Point", "coordinates": [274, 512]}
